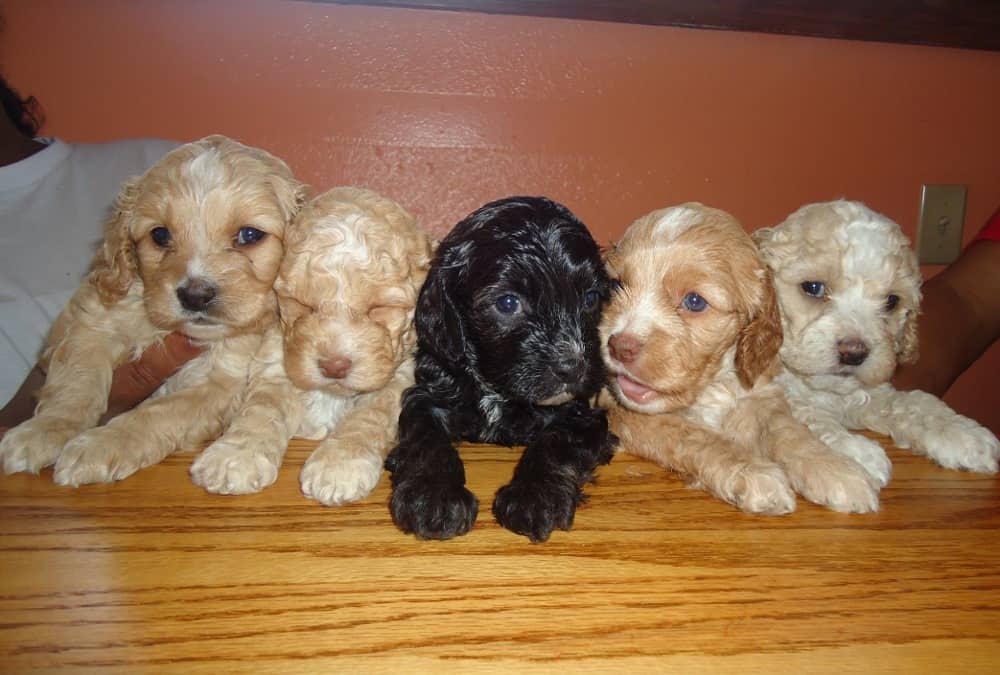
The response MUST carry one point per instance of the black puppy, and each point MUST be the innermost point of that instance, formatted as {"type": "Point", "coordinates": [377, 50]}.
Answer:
{"type": "Point", "coordinates": [508, 353]}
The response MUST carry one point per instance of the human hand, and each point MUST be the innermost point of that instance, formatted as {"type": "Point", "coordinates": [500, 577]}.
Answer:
{"type": "Point", "coordinates": [133, 382]}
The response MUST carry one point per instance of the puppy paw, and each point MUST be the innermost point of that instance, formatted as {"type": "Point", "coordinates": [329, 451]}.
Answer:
{"type": "Point", "coordinates": [229, 468]}
{"type": "Point", "coordinates": [961, 443]}
{"type": "Point", "coordinates": [99, 455]}
{"type": "Point", "coordinates": [534, 509]}
{"type": "Point", "coordinates": [34, 444]}
{"type": "Point", "coordinates": [333, 478]}
{"type": "Point", "coordinates": [433, 509]}
{"type": "Point", "coordinates": [759, 486]}
{"type": "Point", "coordinates": [865, 452]}
{"type": "Point", "coordinates": [836, 482]}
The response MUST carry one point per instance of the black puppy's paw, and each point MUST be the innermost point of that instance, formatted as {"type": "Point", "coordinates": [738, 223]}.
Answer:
{"type": "Point", "coordinates": [433, 509]}
{"type": "Point", "coordinates": [535, 508]}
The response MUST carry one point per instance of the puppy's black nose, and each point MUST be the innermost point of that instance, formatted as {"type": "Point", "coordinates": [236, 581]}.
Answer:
{"type": "Point", "coordinates": [196, 294]}
{"type": "Point", "coordinates": [853, 352]}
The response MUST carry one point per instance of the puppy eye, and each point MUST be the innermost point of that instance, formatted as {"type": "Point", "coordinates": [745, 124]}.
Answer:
{"type": "Point", "coordinates": [591, 299]}
{"type": "Point", "coordinates": [248, 235]}
{"type": "Point", "coordinates": [814, 289]}
{"type": "Point", "coordinates": [161, 236]}
{"type": "Point", "coordinates": [890, 302]}
{"type": "Point", "coordinates": [616, 285]}
{"type": "Point", "coordinates": [508, 304]}
{"type": "Point", "coordinates": [694, 303]}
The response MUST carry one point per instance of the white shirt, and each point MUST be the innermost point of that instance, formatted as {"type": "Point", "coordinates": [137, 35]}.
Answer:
{"type": "Point", "coordinates": [52, 210]}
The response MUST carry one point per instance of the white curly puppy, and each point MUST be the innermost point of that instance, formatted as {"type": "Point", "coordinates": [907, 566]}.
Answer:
{"type": "Point", "coordinates": [848, 286]}
{"type": "Point", "coordinates": [193, 246]}
{"type": "Point", "coordinates": [353, 267]}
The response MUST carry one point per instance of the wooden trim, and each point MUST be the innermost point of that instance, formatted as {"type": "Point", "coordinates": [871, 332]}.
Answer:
{"type": "Point", "coordinates": [968, 24]}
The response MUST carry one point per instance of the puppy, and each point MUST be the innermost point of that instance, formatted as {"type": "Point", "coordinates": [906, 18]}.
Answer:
{"type": "Point", "coordinates": [193, 245]}
{"type": "Point", "coordinates": [354, 263]}
{"type": "Point", "coordinates": [848, 286]}
{"type": "Point", "coordinates": [691, 340]}
{"type": "Point", "coordinates": [507, 353]}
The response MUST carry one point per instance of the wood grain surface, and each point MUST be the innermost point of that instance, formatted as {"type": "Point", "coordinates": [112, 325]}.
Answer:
{"type": "Point", "coordinates": [153, 575]}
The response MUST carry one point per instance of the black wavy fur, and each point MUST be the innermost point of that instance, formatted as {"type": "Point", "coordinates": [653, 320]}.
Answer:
{"type": "Point", "coordinates": [506, 322]}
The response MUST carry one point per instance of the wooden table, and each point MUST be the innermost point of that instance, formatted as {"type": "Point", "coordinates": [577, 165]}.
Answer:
{"type": "Point", "coordinates": [153, 575]}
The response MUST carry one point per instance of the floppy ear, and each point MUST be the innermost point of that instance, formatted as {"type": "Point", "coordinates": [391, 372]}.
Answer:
{"type": "Point", "coordinates": [292, 195]}
{"type": "Point", "coordinates": [440, 329]}
{"type": "Point", "coordinates": [113, 269]}
{"type": "Point", "coordinates": [907, 349]}
{"type": "Point", "coordinates": [760, 340]}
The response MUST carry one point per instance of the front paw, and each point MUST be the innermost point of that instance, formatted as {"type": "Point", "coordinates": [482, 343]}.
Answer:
{"type": "Point", "coordinates": [865, 452]}
{"type": "Point", "coordinates": [835, 481]}
{"type": "Point", "coordinates": [230, 468]}
{"type": "Point", "coordinates": [333, 478]}
{"type": "Point", "coordinates": [99, 455]}
{"type": "Point", "coordinates": [960, 444]}
{"type": "Point", "coordinates": [760, 486]}
{"type": "Point", "coordinates": [534, 509]}
{"type": "Point", "coordinates": [35, 444]}
{"type": "Point", "coordinates": [433, 509]}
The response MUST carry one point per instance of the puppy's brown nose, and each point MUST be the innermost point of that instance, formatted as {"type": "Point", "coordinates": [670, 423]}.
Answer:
{"type": "Point", "coordinates": [624, 347]}
{"type": "Point", "coordinates": [336, 368]}
{"type": "Point", "coordinates": [196, 294]}
{"type": "Point", "coordinates": [853, 351]}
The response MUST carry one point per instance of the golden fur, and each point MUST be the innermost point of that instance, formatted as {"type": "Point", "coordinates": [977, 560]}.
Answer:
{"type": "Point", "coordinates": [691, 342]}
{"type": "Point", "coordinates": [181, 227]}
{"type": "Point", "coordinates": [348, 285]}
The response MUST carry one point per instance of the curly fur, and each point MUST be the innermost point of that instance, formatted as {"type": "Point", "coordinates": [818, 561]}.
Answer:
{"type": "Point", "coordinates": [175, 257]}
{"type": "Point", "coordinates": [691, 340]}
{"type": "Point", "coordinates": [347, 288]}
{"type": "Point", "coordinates": [842, 345]}
{"type": "Point", "coordinates": [507, 353]}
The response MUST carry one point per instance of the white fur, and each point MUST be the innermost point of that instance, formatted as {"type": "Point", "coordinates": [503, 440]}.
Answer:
{"type": "Point", "coordinates": [862, 257]}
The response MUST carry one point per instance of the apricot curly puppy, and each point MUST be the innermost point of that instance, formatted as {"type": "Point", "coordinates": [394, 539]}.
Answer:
{"type": "Point", "coordinates": [691, 341]}
{"type": "Point", "coordinates": [353, 267]}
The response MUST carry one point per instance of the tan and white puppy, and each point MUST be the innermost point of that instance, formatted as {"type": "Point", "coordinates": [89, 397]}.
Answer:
{"type": "Point", "coordinates": [193, 245]}
{"type": "Point", "coordinates": [353, 267]}
{"type": "Point", "coordinates": [691, 341]}
{"type": "Point", "coordinates": [848, 286]}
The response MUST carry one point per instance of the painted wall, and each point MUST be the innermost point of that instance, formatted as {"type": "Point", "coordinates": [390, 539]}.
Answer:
{"type": "Point", "coordinates": [444, 111]}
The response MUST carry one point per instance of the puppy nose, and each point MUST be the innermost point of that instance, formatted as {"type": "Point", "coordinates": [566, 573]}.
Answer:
{"type": "Point", "coordinates": [335, 368]}
{"type": "Point", "coordinates": [196, 294]}
{"type": "Point", "coordinates": [624, 347]}
{"type": "Point", "coordinates": [853, 351]}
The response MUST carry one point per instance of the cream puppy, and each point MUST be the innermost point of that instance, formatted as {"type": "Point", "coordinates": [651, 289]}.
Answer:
{"type": "Point", "coordinates": [848, 286]}
{"type": "Point", "coordinates": [691, 342]}
{"type": "Point", "coordinates": [353, 267]}
{"type": "Point", "coordinates": [193, 245]}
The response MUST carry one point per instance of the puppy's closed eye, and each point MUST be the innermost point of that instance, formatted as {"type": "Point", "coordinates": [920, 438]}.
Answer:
{"type": "Point", "coordinates": [389, 317]}
{"type": "Point", "coordinates": [292, 310]}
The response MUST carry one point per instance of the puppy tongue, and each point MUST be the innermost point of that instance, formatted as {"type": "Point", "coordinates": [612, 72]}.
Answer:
{"type": "Point", "coordinates": [633, 390]}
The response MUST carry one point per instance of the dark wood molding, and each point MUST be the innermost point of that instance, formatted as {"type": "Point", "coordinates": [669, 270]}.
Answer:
{"type": "Point", "coordinates": [967, 24]}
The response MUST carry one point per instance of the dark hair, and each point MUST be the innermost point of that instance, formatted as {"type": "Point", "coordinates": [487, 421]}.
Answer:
{"type": "Point", "coordinates": [25, 113]}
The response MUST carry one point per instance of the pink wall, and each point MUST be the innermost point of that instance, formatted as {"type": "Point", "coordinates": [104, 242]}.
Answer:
{"type": "Point", "coordinates": [444, 111]}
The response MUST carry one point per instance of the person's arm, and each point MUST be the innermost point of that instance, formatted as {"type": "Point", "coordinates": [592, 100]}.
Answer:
{"type": "Point", "coordinates": [131, 383]}
{"type": "Point", "coordinates": [959, 319]}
